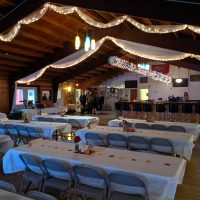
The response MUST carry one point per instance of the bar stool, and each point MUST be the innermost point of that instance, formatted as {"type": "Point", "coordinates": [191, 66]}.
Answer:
{"type": "Point", "coordinates": [186, 110]}
{"type": "Point", "coordinates": [118, 108]}
{"type": "Point", "coordinates": [173, 109]}
{"type": "Point", "coordinates": [197, 111]}
{"type": "Point", "coordinates": [137, 107]}
{"type": "Point", "coordinates": [160, 109]}
{"type": "Point", "coordinates": [126, 107]}
{"type": "Point", "coordinates": [147, 108]}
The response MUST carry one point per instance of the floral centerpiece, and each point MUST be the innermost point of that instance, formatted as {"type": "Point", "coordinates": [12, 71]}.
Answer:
{"type": "Point", "coordinates": [26, 117]}
{"type": "Point", "coordinates": [128, 127]}
{"type": "Point", "coordinates": [77, 139]}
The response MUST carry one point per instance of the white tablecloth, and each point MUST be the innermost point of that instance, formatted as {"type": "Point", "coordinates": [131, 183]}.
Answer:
{"type": "Point", "coordinates": [161, 174]}
{"type": "Point", "coordinates": [6, 143]}
{"type": "Point", "coordinates": [189, 127]}
{"type": "Point", "coordinates": [182, 142]}
{"type": "Point", "coordinates": [49, 110]}
{"type": "Point", "coordinates": [5, 195]}
{"type": "Point", "coordinates": [83, 120]}
{"type": "Point", "coordinates": [47, 127]}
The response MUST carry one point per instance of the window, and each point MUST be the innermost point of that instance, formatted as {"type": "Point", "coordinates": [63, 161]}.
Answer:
{"type": "Point", "coordinates": [143, 94]}
{"type": "Point", "coordinates": [19, 97]}
{"type": "Point", "coordinates": [31, 95]}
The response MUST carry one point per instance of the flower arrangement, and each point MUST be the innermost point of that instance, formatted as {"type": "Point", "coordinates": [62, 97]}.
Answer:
{"type": "Point", "coordinates": [26, 117]}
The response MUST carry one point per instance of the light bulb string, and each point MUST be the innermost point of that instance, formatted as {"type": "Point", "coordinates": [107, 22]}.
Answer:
{"type": "Point", "coordinates": [66, 10]}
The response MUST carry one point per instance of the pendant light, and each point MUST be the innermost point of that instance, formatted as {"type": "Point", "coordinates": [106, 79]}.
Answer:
{"type": "Point", "coordinates": [77, 42]}
{"type": "Point", "coordinates": [87, 43]}
{"type": "Point", "coordinates": [93, 44]}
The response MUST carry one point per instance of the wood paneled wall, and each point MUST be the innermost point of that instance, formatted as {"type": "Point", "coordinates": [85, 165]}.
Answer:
{"type": "Point", "coordinates": [4, 96]}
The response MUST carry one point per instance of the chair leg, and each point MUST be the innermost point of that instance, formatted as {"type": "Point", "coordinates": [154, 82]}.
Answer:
{"type": "Point", "coordinates": [29, 184]}
{"type": "Point", "coordinates": [21, 185]}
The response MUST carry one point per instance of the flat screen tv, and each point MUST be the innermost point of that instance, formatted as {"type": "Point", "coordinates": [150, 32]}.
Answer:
{"type": "Point", "coordinates": [131, 84]}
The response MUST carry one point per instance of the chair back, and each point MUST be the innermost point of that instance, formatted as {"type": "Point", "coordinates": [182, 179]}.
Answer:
{"type": "Point", "coordinates": [49, 119]}
{"type": "Point", "coordinates": [116, 140]}
{"type": "Point", "coordinates": [58, 169]}
{"type": "Point", "coordinates": [94, 139]}
{"type": "Point", "coordinates": [40, 196]}
{"type": "Point", "coordinates": [90, 176]}
{"type": "Point", "coordinates": [126, 183]}
{"type": "Point", "coordinates": [61, 120]}
{"type": "Point", "coordinates": [11, 129]}
{"type": "Point", "coordinates": [33, 163]}
{"type": "Point", "coordinates": [142, 126]}
{"type": "Point", "coordinates": [34, 132]}
{"type": "Point", "coordinates": [22, 130]}
{"type": "Point", "coordinates": [138, 143]}
{"type": "Point", "coordinates": [2, 129]}
{"type": "Point", "coordinates": [161, 145]}
{"type": "Point", "coordinates": [75, 124]}
{"type": "Point", "coordinates": [176, 128]}
{"type": "Point", "coordinates": [7, 186]}
{"type": "Point", "coordinates": [158, 127]}
{"type": "Point", "coordinates": [42, 119]}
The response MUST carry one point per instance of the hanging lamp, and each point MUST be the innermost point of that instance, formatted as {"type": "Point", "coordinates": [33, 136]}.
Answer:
{"type": "Point", "coordinates": [87, 43]}
{"type": "Point", "coordinates": [77, 42]}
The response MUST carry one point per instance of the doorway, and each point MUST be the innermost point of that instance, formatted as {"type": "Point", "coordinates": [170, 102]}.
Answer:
{"type": "Point", "coordinates": [133, 94]}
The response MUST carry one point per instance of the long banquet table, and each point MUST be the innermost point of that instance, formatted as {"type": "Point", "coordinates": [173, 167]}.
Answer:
{"type": "Point", "coordinates": [161, 174]}
{"type": "Point", "coordinates": [189, 127]}
{"type": "Point", "coordinates": [83, 120]}
{"type": "Point", "coordinates": [48, 128]}
{"type": "Point", "coordinates": [5, 195]}
{"type": "Point", "coordinates": [182, 142]}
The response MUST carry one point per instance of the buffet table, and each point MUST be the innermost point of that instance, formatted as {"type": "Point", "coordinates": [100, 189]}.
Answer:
{"type": "Point", "coordinates": [48, 128]}
{"type": "Point", "coordinates": [83, 120]}
{"type": "Point", "coordinates": [161, 174]}
{"type": "Point", "coordinates": [182, 142]}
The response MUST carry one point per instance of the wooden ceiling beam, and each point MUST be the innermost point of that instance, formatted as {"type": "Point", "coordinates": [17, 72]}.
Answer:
{"type": "Point", "coordinates": [19, 50]}
{"type": "Point", "coordinates": [27, 33]}
{"type": "Point", "coordinates": [12, 63]}
{"type": "Point", "coordinates": [8, 68]}
{"type": "Point", "coordinates": [8, 2]}
{"type": "Point", "coordinates": [16, 57]}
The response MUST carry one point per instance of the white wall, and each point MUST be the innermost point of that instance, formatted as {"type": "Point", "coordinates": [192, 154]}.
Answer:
{"type": "Point", "coordinates": [158, 89]}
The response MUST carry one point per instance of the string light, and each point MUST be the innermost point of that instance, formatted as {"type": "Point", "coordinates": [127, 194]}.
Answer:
{"type": "Point", "coordinates": [66, 10]}
{"type": "Point", "coordinates": [123, 64]}
{"type": "Point", "coordinates": [123, 44]}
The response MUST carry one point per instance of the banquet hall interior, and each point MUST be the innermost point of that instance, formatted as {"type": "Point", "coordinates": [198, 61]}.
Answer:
{"type": "Point", "coordinates": [99, 100]}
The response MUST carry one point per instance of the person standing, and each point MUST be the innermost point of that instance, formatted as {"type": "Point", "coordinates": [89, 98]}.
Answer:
{"type": "Point", "coordinates": [83, 102]}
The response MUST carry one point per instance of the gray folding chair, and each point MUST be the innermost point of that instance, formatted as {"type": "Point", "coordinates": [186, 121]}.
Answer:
{"type": "Point", "coordinates": [142, 126]}
{"type": "Point", "coordinates": [94, 139]}
{"type": "Point", "coordinates": [42, 119]}
{"type": "Point", "coordinates": [138, 143]}
{"type": "Point", "coordinates": [13, 133]}
{"type": "Point", "coordinates": [23, 133]}
{"type": "Point", "coordinates": [39, 196]}
{"type": "Point", "coordinates": [7, 186]}
{"type": "Point", "coordinates": [90, 182]}
{"type": "Point", "coordinates": [59, 175]}
{"type": "Point", "coordinates": [2, 129]}
{"type": "Point", "coordinates": [116, 141]}
{"type": "Point", "coordinates": [61, 120]}
{"type": "Point", "coordinates": [75, 123]}
{"type": "Point", "coordinates": [34, 132]}
{"type": "Point", "coordinates": [161, 145]}
{"type": "Point", "coordinates": [176, 128]}
{"type": "Point", "coordinates": [126, 187]}
{"type": "Point", "coordinates": [158, 127]}
{"type": "Point", "coordinates": [49, 119]}
{"type": "Point", "coordinates": [34, 171]}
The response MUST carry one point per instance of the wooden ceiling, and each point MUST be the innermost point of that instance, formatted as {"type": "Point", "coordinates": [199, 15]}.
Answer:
{"type": "Point", "coordinates": [52, 38]}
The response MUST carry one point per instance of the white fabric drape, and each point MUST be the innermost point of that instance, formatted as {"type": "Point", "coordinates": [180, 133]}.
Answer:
{"type": "Point", "coordinates": [142, 50]}
{"type": "Point", "coordinates": [66, 10]}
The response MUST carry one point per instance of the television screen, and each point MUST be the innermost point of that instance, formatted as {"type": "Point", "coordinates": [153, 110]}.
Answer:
{"type": "Point", "coordinates": [131, 84]}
